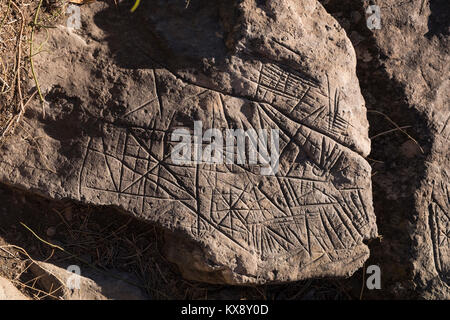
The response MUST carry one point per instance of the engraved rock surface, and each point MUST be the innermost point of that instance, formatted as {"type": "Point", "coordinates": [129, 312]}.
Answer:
{"type": "Point", "coordinates": [417, 56]}
{"type": "Point", "coordinates": [408, 58]}
{"type": "Point", "coordinates": [105, 138]}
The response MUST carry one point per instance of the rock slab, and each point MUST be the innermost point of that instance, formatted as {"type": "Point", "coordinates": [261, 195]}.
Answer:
{"type": "Point", "coordinates": [119, 87]}
{"type": "Point", "coordinates": [9, 292]}
{"type": "Point", "coordinates": [414, 40]}
{"type": "Point", "coordinates": [88, 285]}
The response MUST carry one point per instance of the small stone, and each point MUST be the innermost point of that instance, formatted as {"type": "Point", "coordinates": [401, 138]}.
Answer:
{"type": "Point", "coordinates": [91, 285]}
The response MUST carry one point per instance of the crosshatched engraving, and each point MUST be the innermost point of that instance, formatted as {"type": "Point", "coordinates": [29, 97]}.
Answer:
{"type": "Point", "coordinates": [439, 216]}
{"type": "Point", "coordinates": [312, 208]}
{"type": "Point", "coordinates": [108, 140]}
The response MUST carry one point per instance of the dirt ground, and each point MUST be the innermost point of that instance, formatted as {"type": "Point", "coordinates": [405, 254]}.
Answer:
{"type": "Point", "coordinates": [31, 227]}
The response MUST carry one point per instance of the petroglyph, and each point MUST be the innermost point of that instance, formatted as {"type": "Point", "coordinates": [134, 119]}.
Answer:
{"type": "Point", "coordinates": [439, 216]}
{"type": "Point", "coordinates": [316, 207]}
{"type": "Point", "coordinates": [236, 225]}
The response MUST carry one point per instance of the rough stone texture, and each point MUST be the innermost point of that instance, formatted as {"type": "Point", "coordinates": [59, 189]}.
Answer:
{"type": "Point", "coordinates": [408, 60]}
{"type": "Point", "coordinates": [9, 292]}
{"type": "Point", "coordinates": [105, 137]}
{"type": "Point", "coordinates": [415, 39]}
{"type": "Point", "coordinates": [92, 285]}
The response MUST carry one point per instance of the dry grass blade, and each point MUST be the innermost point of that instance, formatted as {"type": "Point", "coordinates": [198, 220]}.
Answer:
{"type": "Point", "coordinates": [389, 131]}
{"type": "Point", "coordinates": [78, 258]}
{"type": "Point", "coordinates": [35, 21]}
{"type": "Point", "coordinates": [13, 106]}
{"type": "Point", "coordinates": [17, 67]}
{"type": "Point", "coordinates": [397, 128]}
